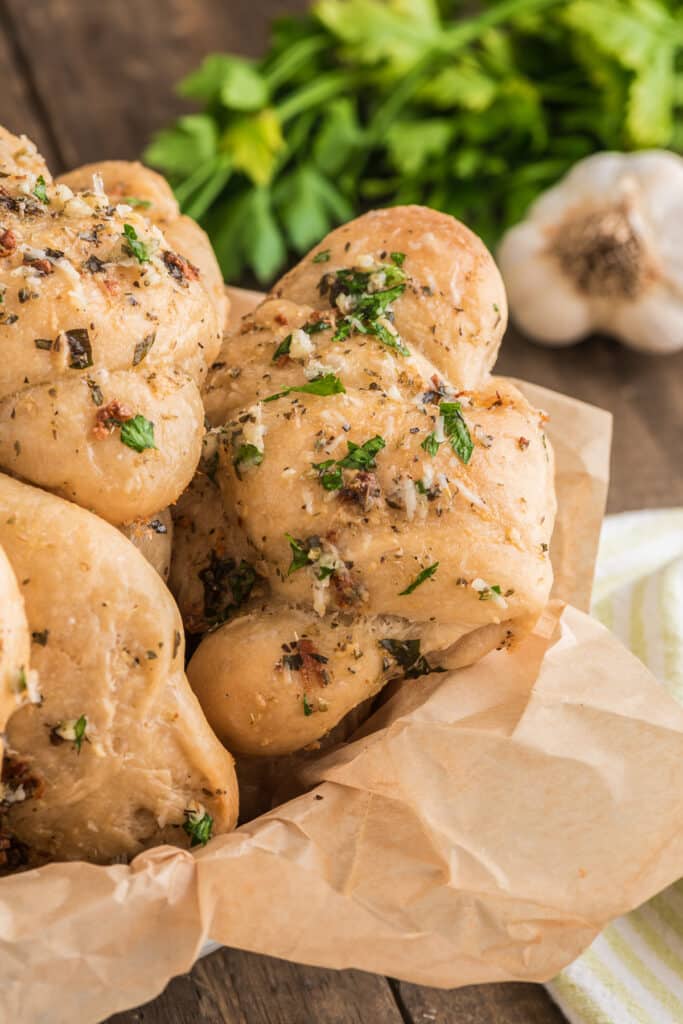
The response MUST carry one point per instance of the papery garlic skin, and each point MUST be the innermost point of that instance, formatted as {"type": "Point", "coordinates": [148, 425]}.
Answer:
{"type": "Point", "coordinates": [602, 251]}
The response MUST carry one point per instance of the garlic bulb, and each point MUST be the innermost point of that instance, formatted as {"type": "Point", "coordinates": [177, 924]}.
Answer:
{"type": "Point", "coordinates": [602, 251]}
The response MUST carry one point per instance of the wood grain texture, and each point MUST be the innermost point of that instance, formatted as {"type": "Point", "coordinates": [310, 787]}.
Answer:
{"type": "Point", "coordinates": [19, 105]}
{"type": "Point", "coordinates": [90, 81]}
{"type": "Point", "coordinates": [105, 73]}
{"type": "Point", "coordinates": [229, 987]}
{"type": "Point", "coordinates": [513, 1003]}
{"type": "Point", "coordinates": [643, 392]}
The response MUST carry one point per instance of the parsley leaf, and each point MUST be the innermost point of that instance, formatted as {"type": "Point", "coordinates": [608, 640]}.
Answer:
{"type": "Point", "coordinates": [234, 82]}
{"type": "Point", "coordinates": [283, 348]}
{"type": "Point", "coordinates": [331, 478]}
{"type": "Point", "coordinates": [328, 384]}
{"type": "Point", "coordinates": [419, 579]}
{"type": "Point", "coordinates": [300, 557]}
{"type": "Point", "coordinates": [473, 109]}
{"type": "Point", "coordinates": [406, 654]}
{"type": "Point", "coordinates": [431, 445]}
{"type": "Point", "coordinates": [40, 191]}
{"type": "Point", "coordinates": [357, 457]}
{"type": "Point", "coordinates": [255, 142]}
{"type": "Point", "coordinates": [246, 456]}
{"type": "Point", "coordinates": [138, 433]}
{"type": "Point", "coordinates": [456, 430]}
{"type": "Point", "coordinates": [343, 330]}
{"type": "Point", "coordinates": [322, 257]}
{"type": "Point", "coordinates": [134, 246]}
{"type": "Point", "coordinates": [362, 456]}
{"type": "Point", "coordinates": [387, 338]}
{"type": "Point", "coordinates": [371, 294]}
{"type": "Point", "coordinates": [198, 827]}
{"type": "Point", "coordinates": [308, 708]}
{"type": "Point", "coordinates": [80, 728]}
{"type": "Point", "coordinates": [316, 326]}
{"type": "Point", "coordinates": [133, 201]}
{"type": "Point", "coordinates": [71, 731]}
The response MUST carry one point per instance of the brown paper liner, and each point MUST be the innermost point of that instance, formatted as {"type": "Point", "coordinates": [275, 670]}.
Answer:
{"type": "Point", "coordinates": [485, 827]}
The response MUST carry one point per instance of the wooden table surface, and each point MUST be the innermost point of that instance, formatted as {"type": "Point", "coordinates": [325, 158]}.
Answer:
{"type": "Point", "coordinates": [91, 81]}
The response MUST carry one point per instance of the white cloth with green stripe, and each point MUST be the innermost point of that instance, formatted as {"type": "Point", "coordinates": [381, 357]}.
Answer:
{"type": "Point", "coordinates": [633, 972]}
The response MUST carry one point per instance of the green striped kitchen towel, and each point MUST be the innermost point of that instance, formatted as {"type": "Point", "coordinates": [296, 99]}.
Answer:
{"type": "Point", "coordinates": [633, 972]}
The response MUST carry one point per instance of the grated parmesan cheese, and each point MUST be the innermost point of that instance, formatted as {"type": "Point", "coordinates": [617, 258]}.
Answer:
{"type": "Point", "coordinates": [301, 346]}
{"type": "Point", "coordinates": [409, 497]}
{"type": "Point", "coordinates": [254, 429]}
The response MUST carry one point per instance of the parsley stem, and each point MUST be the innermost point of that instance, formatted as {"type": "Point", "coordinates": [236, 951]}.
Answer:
{"type": "Point", "coordinates": [203, 199]}
{"type": "Point", "coordinates": [453, 40]}
{"type": "Point", "coordinates": [285, 64]}
{"type": "Point", "coordinates": [461, 35]}
{"type": "Point", "coordinates": [194, 181]}
{"type": "Point", "coordinates": [323, 88]}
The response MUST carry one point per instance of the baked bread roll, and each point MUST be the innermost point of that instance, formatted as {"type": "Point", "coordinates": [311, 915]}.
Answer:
{"type": "Point", "coordinates": [117, 756]}
{"type": "Point", "coordinates": [132, 182]}
{"type": "Point", "coordinates": [14, 645]}
{"type": "Point", "coordinates": [17, 681]}
{"type": "Point", "coordinates": [396, 500]}
{"type": "Point", "coordinates": [107, 332]}
{"type": "Point", "coordinates": [154, 539]}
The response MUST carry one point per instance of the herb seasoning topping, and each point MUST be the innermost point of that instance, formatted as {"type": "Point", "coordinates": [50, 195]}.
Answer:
{"type": "Point", "coordinates": [133, 246]}
{"type": "Point", "coordinates": [198, 825]}
{"type": "Point", "coordinates": [142, 348]}
{"type": "Point", "coordinates": [327, 384]}
{"type": "Point", "coordinates": [40, 191]}
{"type": "Point", "coordinates": [358, 457]}
{"type": "Point", "coordinates": [364, 297]}
{"type": "Point", "coordinates": [247, 456]}
{"type": "Point", "coordinates": [72, 730]}
{"type": "Point", "coordinates": [80, 349]}
{"type": "Point", "coordinates": [456, 430]}
{"type": "Point", "coordinates": [227, 586]}
{"type": "Point", "coordinates": [420, 579]}
{"type": "Point", "coordinates": [138, 433]}
{"type": "Point", "coordinates": [406, 654]}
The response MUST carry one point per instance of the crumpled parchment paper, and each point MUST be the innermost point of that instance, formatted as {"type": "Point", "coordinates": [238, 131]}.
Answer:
{"type": "Point", "coordinates": [485, 826]}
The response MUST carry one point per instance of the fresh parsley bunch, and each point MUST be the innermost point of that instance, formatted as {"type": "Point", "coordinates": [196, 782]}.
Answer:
{"type": "Point", "coordinates": [375, 102]}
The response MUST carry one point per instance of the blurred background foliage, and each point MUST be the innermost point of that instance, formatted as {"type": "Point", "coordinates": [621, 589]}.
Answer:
{"type": "Point", "coordinates": [471, 109]}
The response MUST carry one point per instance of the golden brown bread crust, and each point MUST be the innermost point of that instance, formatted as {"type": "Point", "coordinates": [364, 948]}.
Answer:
{"type": "Point", "coordinates": [98, 307]}
{"type": "Point", "coordinates": [257, 676]}
{"type": "Point", "coordinates": [14, 646]}
{"type": "Point", "coordinates": [454, 310]}
{"type": "Point", "coordinates": [266, 782]}
{"type": "Point", "coordinates": [128, 179]}
{"type": "Point", "coordinates": [153, 538]}
{"type": "Point", "coordinates": [489, 519]}
{"type": "Point", "coordinates": [107, 647]}
{"type": "Point", "coordinates": [208, 549]}
{"type": "Point", "coordinates": [433, 557]}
